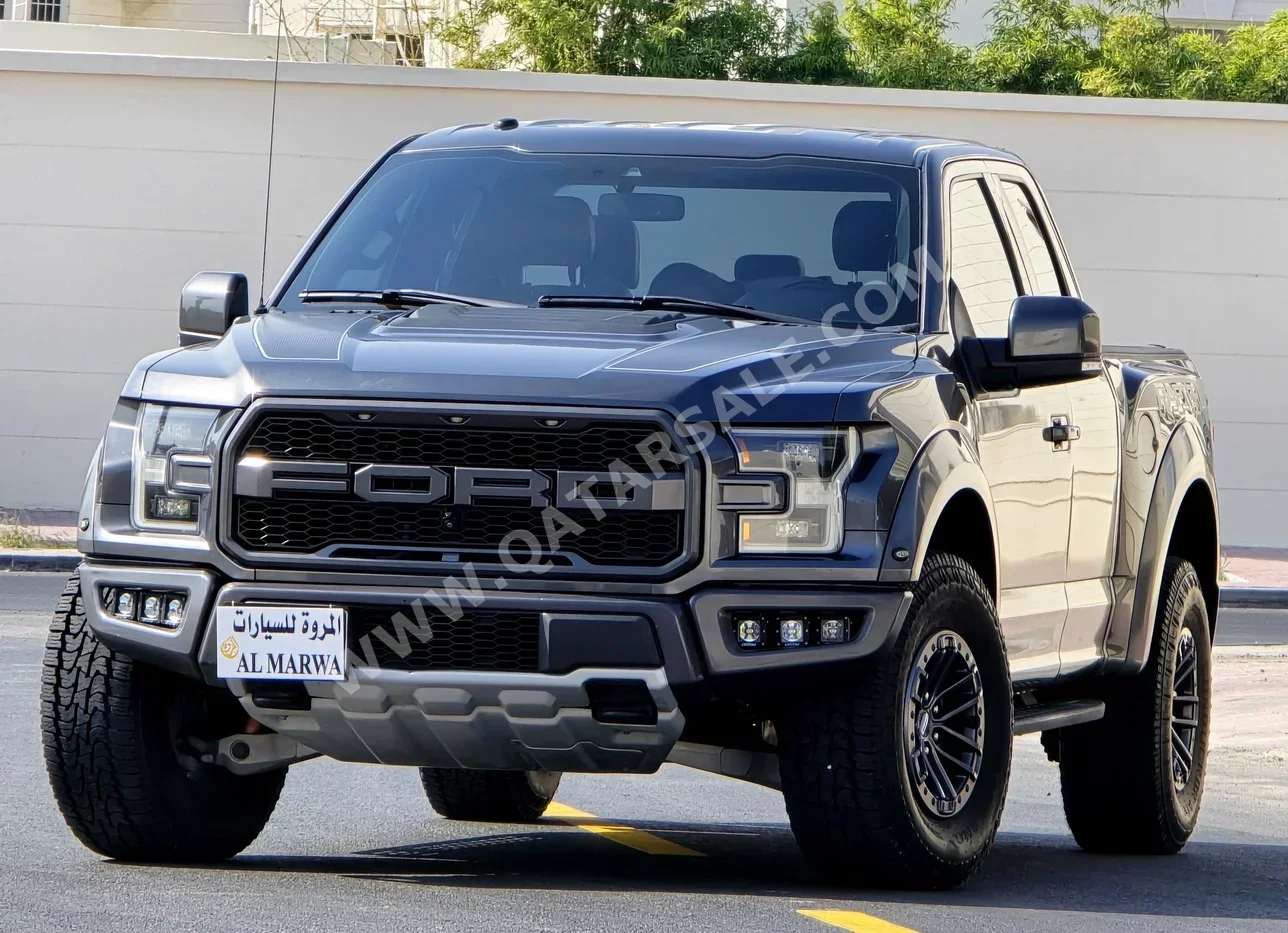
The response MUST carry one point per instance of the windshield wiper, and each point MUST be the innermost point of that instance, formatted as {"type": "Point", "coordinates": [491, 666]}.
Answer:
{"type": "Point", "coordinates": [666, 303]}
{"type": "Point", "coordinates": [402, 298]}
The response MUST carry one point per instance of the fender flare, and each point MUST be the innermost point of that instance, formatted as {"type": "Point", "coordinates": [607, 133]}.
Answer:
{"type": "Point", "coordinates": [88, 516]}
{"type": "Point", "coordinates": [945, 466]}
{"type": "Point", "coordinates": [1131, 627]}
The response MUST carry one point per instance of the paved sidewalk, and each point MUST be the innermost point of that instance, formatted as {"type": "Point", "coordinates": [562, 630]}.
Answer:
{"type": "Point", "coordinates": [1255, 566]}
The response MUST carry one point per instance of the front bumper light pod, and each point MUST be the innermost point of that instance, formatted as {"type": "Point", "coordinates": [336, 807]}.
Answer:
{"type": "Point", "coordinates": [169, 454]}
{"type": "Point", "coordinates": [817, 463]}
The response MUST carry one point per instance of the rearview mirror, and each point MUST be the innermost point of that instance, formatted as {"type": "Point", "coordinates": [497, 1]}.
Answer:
{"type": "Point", "coordinates": [646, 207]}
{"type": "Point", "coordinates": [209, 304]}
{"type": "Point", "coordinates": [1050, 339]}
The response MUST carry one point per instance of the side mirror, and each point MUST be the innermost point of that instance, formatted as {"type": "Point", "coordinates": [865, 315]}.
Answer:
{"type": "Point", "coordinates": [1051, 339]}
{"type": "Point", "coordinates": [1057, 329]}
{"type": "Point", "coordinates": [209, 304]}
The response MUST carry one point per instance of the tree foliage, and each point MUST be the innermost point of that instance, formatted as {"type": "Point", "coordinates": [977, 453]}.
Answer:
{"type": "Point", "coordinates": [1110, 48]}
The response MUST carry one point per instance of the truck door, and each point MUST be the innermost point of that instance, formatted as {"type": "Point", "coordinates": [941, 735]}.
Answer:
{"type": "Point", "coordinates": [1095, 453]}
{"type": "Point", "coordinates": [1029, 475]}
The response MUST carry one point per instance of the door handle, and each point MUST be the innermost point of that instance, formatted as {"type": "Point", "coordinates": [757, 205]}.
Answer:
{"type": "Point", "coordinates": [1060, 432]}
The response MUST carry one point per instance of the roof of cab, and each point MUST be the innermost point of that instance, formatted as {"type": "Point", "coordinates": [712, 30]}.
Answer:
{"type": "Point", "coordinates": [700, 139]}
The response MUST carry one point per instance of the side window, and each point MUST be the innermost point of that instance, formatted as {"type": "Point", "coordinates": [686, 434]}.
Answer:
{"type": "Point", "coordinates": [1046, 280]}
{"type": "Point", "coordinates": [978, 262]}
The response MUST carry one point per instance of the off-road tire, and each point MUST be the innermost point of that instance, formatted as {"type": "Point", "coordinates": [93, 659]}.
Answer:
{"type": "Point", "coordinates": [845, 775]}
{"type": "Point", "coordinates": [1116, 773]}
{"type": "Point", "coordinates": [489, 796]}
{"type": "Point", "coordinates": [108, 726]}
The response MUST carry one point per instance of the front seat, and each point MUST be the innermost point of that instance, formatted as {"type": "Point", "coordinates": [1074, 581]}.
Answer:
{"type": "Point", "coordinates": [615, 259]}
{"type": "Point", "coordinates": [863, 237]}
{"type": "Point", "coordinates": [509, 235]}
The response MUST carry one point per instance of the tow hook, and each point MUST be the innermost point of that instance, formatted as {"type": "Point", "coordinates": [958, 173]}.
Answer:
{"type": "Point", "coordinates": [252, 753]}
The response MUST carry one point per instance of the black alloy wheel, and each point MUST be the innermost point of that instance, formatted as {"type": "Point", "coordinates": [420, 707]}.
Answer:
{"type": "Point", "coordinates": [1185, 708]}
{"type": "Point", "coordinates": [944, 723]}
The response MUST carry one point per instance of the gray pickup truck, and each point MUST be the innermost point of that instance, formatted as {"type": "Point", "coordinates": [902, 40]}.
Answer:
{"type": "Point", "coordinates": [788, 454]}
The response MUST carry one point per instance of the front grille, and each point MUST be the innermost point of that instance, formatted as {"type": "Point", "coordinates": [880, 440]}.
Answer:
{"type": "Point", "coordinates": [482, 640]}
{"type": "Point", "coordinates": [308, 525]}
{"type": "Point", "coordinates": [295, 524]}
{"type": "Point", "coordinates": [595, 447]}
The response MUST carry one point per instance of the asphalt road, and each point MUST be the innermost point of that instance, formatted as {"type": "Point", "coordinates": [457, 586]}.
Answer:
{"type": "Point", "coordinates": [355, 847]}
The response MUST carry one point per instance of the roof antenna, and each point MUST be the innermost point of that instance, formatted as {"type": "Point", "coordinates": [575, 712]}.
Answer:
{"type": "Point", "coordinates": [272, 131]}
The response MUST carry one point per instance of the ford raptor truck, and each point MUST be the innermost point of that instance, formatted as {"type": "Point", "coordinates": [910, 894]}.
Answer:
{"type": "Point", "coordinates": [788, 454]}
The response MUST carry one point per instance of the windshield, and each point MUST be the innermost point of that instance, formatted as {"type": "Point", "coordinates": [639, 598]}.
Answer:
{"type": "Point", "coordinates": [814, 239]}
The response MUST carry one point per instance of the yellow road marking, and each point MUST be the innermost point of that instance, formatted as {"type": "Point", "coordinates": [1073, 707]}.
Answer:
{"type": "Point", "coordinates": [626, 835]}
{"type": "Point", "coordinates": [854, 921]}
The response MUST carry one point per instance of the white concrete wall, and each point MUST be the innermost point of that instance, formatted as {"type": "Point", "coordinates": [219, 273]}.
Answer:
{"type": "Point", "coordinates": [120, 176]}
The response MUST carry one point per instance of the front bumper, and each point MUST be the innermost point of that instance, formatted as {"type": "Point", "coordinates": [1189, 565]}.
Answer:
{"type": "Point", "coordinates": [542, 719]}
{"type": "Point", "coordinates": [470, 719]}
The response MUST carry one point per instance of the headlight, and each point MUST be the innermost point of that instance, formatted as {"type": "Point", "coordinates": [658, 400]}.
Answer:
{"type": "Point", "coordinates": [172, 471]}
{"type": "Point", "coordinates": [817, 463]}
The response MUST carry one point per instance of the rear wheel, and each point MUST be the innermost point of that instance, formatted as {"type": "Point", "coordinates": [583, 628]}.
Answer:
{"type": "Point", "coordinates": [897, 778]}
{"type": "Point", "coordinates": [489, 796]}
{"type": "Point", "coordinates": [1132, 782]}
{"type": "Point", "coordinates": [123, 775]}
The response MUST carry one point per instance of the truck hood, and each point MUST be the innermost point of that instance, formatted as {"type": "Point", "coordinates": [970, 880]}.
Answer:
{"type": "Point", "coordinates": [676, 362]}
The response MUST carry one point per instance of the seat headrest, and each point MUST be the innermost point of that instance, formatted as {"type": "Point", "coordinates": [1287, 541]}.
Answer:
{"type": "Point", "coordinates": [767, 266]}
{"type": "Point", "coordinates": [862, 235]}
{"type": "Point", "coordinates": [616, 257]}
{"type": "Point", "coordinates": [550, 231]}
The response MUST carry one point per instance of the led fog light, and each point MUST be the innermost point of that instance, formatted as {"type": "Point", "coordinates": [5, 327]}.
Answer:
{"type": "Point", "coordinates": [791, 632]}
{"type": "Point", "coordinates": [125, 606]}
{"type": "Point", "coordinates": [749, 633]}
{"type": "Point", "coordinates": [174, 612]}
{"type": "Point", "coordinates": [832, 631]}
{"type": "Point", "coordinates": [151, 609]}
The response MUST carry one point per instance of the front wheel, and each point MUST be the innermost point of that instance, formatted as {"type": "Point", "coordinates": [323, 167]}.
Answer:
{"type": "Point", "coordinates": [115, 734]}
{"type": "Point", "coordinates": [897, 778]}
{"type": "Point", "coordinates": [1132, 781]}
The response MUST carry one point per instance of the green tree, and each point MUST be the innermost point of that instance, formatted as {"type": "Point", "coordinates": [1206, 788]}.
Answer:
{"type": "Point", "coordinates": [690, 38]}
{"type": "Point", "coordinates": [819, 50]}
{"type": "Point", "coordinates": [1198, 63]}
{"type": "Point", "coordinates": [902, 43]}
{"type": "Point", "coordinates": [1134, 58]}
{"type": "Point", "coordinates": [1257, 62]}
{"type": "Point", "coordinates": [1040, 46]}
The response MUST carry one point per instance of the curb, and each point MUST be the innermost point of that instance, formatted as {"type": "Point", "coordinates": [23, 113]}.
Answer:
{"type": "Point", "coordinates": [1254, 597]}
{"type": "Point", "coordinates": [55, 560]}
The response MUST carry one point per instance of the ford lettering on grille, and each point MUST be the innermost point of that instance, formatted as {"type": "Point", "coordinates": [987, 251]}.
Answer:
{"type": "Point", "coordinates": [258, 477]}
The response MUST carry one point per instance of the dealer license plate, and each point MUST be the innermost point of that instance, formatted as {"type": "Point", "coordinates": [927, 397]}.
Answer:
{"type": "Point", "coordinates": [282, 642]}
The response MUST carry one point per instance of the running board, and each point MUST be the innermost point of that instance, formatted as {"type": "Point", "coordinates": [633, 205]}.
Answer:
{"type": "Point", "coordinates": [1056, 715]}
